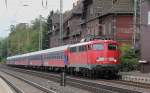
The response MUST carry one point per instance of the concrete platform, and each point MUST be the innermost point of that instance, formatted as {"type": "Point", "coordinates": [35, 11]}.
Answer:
{"type": "Point", "coordinates": [4, 88]}
{"type": "Point", "coordinates": [136, 76]}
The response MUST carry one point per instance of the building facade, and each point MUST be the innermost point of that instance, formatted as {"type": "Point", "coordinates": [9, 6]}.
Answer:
{"type": "Point", "coordinates": [144, 36]}
{"type": "Point", "coordinates": [145, 30]}
{"type": "Point", "coordinates": [113, 18]}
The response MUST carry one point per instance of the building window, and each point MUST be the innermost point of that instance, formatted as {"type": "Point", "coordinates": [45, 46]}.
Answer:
{"type": "Point", "coordinates": [91, 10]}
{"type": "Point", "coordinates": [53, 27]}
{"type": "Point", "coordinates": [104, 29]}
{"type": "Point", "coordinates": [114, 1]}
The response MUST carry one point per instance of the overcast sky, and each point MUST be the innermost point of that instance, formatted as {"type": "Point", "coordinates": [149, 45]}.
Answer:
{"type": "Point", "coordinates": [16, 12]}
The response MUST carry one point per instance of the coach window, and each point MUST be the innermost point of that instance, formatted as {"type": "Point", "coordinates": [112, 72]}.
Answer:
{"type": "Point", "coordinates": [50, 56]}
{"type": "Point", "coordinates": [98, 47]}
{"type": "Point", "coordinates": [58, 56]}
{"type": "Point", "coordinates": [61, 56]}
{"type": "Point", "coordinates": [55, 57]}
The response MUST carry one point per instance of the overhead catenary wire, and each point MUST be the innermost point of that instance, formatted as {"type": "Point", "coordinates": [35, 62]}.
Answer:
{"type": "Point", "coordinates": [6, 3]}
{"type": "Point", "coordinates": [44, 5]}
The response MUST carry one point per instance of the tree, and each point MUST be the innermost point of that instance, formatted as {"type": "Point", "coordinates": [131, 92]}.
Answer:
{"type": "Point", "coordinates": [24, 38]}
{"type": "Point", "coordinates": [3, 49]}
{"type": "Point", "coordinates": [48, 28]}
{"type": "Point", "coordinates": [129, 59]}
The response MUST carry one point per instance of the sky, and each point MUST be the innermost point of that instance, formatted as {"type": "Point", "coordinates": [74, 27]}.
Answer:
{"type": "Point", "coordinates": [18, 12]}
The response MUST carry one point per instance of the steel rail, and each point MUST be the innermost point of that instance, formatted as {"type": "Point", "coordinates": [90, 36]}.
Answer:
{"type": "Point", "coordinates": [130, 83]}
{"type": "Point", "coordinates": [31, 83]}
{"type": "Point", "coordinates": [83, 84]}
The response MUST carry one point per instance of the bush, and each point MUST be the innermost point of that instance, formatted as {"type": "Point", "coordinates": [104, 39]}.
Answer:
{"type": "Point", "coordinates": [129, 58]}
{"type": "Point", "coordinates": [2, 60]}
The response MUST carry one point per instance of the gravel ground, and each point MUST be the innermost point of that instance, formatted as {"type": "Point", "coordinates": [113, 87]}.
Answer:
{"type": "Point", "coordinates": [56, 86]}
{"type": "Point", "coordinates": [142, 90]}
{"type": "Point", "coordinates": [136, 73]}
{"type": "Point", "coordinates": [125, 87]}
{"type": "Point", "coordinates": [136, 76]}
{"type": "Point", "coordinates": [26, 88]}
{"type": "Point", "coordinates": [4, 88]}
{"type": "Point", "coordinates": [49, 84]}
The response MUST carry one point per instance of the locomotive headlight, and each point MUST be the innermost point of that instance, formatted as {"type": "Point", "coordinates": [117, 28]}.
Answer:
{"type": "Point", "coordinates": [111, 59]}
{"type": "Point", "coordinates": [100, 59]}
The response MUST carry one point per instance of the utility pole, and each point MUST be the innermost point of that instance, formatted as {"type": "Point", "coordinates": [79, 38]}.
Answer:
{"type": "Point", "coordinates": [7, 46]}
{"type": "Point", "coordinates": [63, 75]}
{"type": "Point", "coordinates": [61, 22]}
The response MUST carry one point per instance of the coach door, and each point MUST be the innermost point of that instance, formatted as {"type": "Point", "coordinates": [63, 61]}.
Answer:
{"type": "Point", "coordinates": [73, 56]}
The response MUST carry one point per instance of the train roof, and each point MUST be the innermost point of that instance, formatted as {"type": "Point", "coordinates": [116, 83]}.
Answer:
{"type": "Point", "coordinates": [55, 49]}
{"type": "Point", "coordinates": [60, 48]}
{"type": "Point", "coordinates": [91, 42]}
{"type": "Point", "coordinates": [80, 44]}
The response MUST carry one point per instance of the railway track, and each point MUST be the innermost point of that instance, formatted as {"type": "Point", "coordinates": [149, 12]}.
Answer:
{"type": "Point", "coordinates": [80, 83]}
{"type": "Point", "coordinates": [130, 83]}
{"type": "Point", "coordinates": [39, 89]}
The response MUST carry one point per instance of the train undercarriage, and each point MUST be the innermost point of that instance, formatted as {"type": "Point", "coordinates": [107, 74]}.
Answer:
{"type": "Point", "coordinates": [98, 72]}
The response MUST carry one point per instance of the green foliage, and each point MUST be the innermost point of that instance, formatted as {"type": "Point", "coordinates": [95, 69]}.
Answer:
{"type": "Point", "coordinates": [48, 27]}
{"type": "Point", "coordinates": [3, 49]}
{"type": "Point", "coordinates": [129, 58]}
{"type": "Point", "coordinates": [24, 38]}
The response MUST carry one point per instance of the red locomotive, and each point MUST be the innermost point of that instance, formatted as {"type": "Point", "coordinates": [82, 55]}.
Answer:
{"type": "Point", "coordinates": [96, 57]}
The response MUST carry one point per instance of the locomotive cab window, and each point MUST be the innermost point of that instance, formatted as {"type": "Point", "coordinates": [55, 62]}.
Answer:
{"type": "Point", "coordinates": [98, 47]}
{"type": "Point", "coordinates": [82, 48]}
{"type": "Point", "coordinates": [73, 49]}
{"type": "Point", "coordinates": [112, 47]}
{"type": "Point", "coordinates": [89, 47]}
